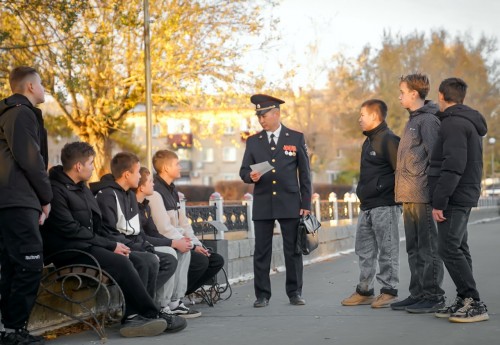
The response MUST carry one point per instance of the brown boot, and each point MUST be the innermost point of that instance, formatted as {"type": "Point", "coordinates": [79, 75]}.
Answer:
{"type": "Point", "coordinates": [384, 300]}
{"type": "Point", "coordinates": [357, 299]}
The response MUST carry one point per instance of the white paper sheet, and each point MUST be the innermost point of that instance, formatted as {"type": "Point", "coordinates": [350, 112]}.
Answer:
{"type": "Point", "coordinates": [262, 167]}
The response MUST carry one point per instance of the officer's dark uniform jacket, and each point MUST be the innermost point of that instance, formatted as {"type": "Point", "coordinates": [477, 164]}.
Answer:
{"type": "Point", "coordinates": [120, 213]}
{"type": "Point", "coordinates": [23, 155]}
{"type": "Point", "coordinates": [282, 192]}
{"type": "Point", "coordinates": [75, 219]}
{"type": "Point", "coordinates": [456, 165]}
{"type": "Point", "coordinates": [378, 163]}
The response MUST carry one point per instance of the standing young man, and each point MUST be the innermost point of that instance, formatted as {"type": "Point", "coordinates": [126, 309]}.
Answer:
{"type": "Point", "coordinates": [377, 234]}
{"type": "Point", "coordinates": [455, 180]}
{"type": "Point", "coordinates": [25, 202]}
{"type": "Point", "coordinates": [412, 189]}
{"type": "Point", "coordinates": [282, 194]}
{"type": "Point", "coordinates": [172, 222]}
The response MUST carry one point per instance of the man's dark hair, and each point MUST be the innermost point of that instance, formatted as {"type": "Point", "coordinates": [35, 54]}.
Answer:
{"type": "Point", "coordinates": [75, 152]}
{"type": "Point", "coordinates": [453, 90]}
{"type": "Point", "coordinates": [377, 106]}
{"type": "Point", "coordinates": [121, 162]}
{"type": "Point", "coordinates": [418, 82]}
{"type": "Point", "coordinates": [18, 75]}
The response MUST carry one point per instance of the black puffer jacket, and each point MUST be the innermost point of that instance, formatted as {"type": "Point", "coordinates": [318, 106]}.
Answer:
{"type": "Point", "coordinates": [75, 219]}
{"type": "Point", "coordinates": [378, 162]}
{"type": "Point", "coordinates": [457, 159]}
{"type": "Point", "coordinates": [23, 155]}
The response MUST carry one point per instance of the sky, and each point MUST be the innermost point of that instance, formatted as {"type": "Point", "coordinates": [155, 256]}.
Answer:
{"type": "Point", "coordinates": [346, 26]}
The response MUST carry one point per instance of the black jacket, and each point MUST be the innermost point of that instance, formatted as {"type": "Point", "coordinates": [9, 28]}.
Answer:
{"type": "Point", "coordinates": [75, 219]}
{"type": "Point", "coordinates": [23, 155]}
{"type": "Point", "coordinates": [282, 192]}
{"type": "Point", "coordinates": [378, 163]}
{"type": "Point", "coordinates": [456, 165]}
{"type": "Point", "coordinates": [122, 222]}
{"type": "Point", "coordinates": [149, 227]}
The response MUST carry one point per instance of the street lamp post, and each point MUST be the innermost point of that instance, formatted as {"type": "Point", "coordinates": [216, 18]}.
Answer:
{"type": "Point", "coordinates": [492, 142]}
{"type": "Point", "coordinates": [147, 67]}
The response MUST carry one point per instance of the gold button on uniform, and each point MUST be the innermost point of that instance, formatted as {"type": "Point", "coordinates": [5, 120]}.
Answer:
{"type": "Point", "coordinates": [274, 170]}
{"type": "Point", "coordinates": [274, 160]}
{"type": "Point", "coordinates": [274, 193]}
{"type": "Point", "coordinates": [274, 182]}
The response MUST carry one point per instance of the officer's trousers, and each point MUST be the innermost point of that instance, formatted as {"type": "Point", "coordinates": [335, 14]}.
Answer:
{"type": "Point", "coordinates": [263, 253]}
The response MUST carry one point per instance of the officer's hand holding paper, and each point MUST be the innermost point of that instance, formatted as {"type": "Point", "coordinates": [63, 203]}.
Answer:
{"type": "Point", "coordinates": [259, 169]}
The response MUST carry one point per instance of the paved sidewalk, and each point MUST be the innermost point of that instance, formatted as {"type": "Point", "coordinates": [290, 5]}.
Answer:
{"type": "Point", "coordinates": [324, 321]}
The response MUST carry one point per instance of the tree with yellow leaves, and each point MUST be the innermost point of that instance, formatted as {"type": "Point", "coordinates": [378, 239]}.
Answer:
{"type": "Point", "coordinates": [90, 54]}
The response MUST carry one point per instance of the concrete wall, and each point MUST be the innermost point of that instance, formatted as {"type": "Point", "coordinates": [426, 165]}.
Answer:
{"type": "Point", "coordinates": [333, 239]}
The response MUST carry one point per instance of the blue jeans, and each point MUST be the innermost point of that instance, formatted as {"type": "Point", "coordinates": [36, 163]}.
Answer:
{"type": "Point", "coordinates": [454, 250]}
{"type": "Point", "coordinates": [426, 267]}
{"type": "Point", "coordinates": [377, 240]}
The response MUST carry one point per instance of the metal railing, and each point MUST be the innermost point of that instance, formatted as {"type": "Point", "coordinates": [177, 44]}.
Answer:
{"type": "Point", "coordinates": [238, 217]}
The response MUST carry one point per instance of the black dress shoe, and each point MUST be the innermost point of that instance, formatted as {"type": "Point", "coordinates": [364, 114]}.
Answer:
{"type": "Point", "coordinates": [261, 302]}
{"type": "Point", "coordinates": [297, 300]}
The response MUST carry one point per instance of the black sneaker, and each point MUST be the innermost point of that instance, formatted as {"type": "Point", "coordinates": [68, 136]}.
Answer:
{"type": "Point", "coordinates": [426, 306]}
{"type": "Point", "coordinates": [472, 311]}
{"type": "Point", "coordinates": [22, 337]}
{"type": "Point", "coordinates": [174, 323]}
{"type": "Point", "coordinates": [139, 326]}
{"type": "Point", "coordinates": [185, 312]}
{"type": "Point", "coordinates": [408, 301]}
{"type": "Point", "coordinates": [446, 312]}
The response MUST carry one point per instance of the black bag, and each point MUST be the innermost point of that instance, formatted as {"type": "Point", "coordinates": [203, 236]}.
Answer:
{"type": "Point", "coordinates": [307, 236]}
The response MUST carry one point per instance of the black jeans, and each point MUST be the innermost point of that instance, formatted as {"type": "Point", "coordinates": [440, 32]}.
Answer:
{"type": "Point", "coordinates": [201, 269]}
{"type": "Point", "coordinates": [426, 267]}
{"type": "Point", "coordinates": [454, 250]}
{"type": "Point", "coordinates": [21, 260]}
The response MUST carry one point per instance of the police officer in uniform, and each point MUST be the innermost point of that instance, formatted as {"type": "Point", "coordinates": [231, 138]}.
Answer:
{"type": "Point", "coordinates": [282, 194]}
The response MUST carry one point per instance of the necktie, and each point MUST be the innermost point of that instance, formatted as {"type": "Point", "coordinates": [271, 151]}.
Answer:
{"type": "Point", "coordinates": [272, 142]}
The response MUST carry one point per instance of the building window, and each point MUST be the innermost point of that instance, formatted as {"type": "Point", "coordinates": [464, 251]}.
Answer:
{"type": "Point", "coordinates": [229, 130]}
{"type": "Point", "coordinates": [229, 154]}
{"type": "Point", "coordinates": [156, 130]}
{"type": "Point", "coordinates": [208, 154]}
{"type": "Point", "coordinates": [178, 126]}
{"type": "Point", "coordinates": [207, 180]}
{"type": "Point", "coordinates": [230, 177]}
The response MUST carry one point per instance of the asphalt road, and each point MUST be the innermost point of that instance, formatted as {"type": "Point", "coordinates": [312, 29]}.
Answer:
{"type": "Point", "coordinates": [324, 321]}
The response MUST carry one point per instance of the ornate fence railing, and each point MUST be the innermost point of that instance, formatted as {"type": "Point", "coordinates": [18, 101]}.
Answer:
{"type": "Point", "coordinates": [237, 215]}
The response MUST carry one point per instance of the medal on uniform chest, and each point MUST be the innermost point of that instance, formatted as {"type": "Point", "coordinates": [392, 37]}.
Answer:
{"type": "Point", "coordinates": [290, 150]}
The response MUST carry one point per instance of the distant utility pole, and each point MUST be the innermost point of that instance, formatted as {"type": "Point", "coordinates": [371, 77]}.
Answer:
{"type": "Point", "coordinates": [147, 65]}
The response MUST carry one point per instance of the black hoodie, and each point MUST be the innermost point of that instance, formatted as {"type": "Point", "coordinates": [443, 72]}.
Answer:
{"type": "Point", "coordinates": [23, 155]}
{"type": "Point", "coordinates": [120, 213]}
{"type": "Point", "coordinates": [456, 165]}
{"type": "Point", "coordinates": [75, 219]}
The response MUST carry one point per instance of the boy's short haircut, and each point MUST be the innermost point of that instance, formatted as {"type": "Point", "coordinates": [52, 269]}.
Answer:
{"type": "Point", "coordinates": [376, 105]}
{"type": "Point", "coordinates": [453, 90]}
{"type": "Point", "coordinates": [144, 175]}
{"type": "Point", "coordinates": [122, 162]}
{"type": "Point", "coordinates": [72, 153]}
{"type": "Point", "coordinates": [18, 75]}
{"type": "Point", "coordinates": [161, 157]}
{"type": "Point", "coordinates": [418, 82]}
